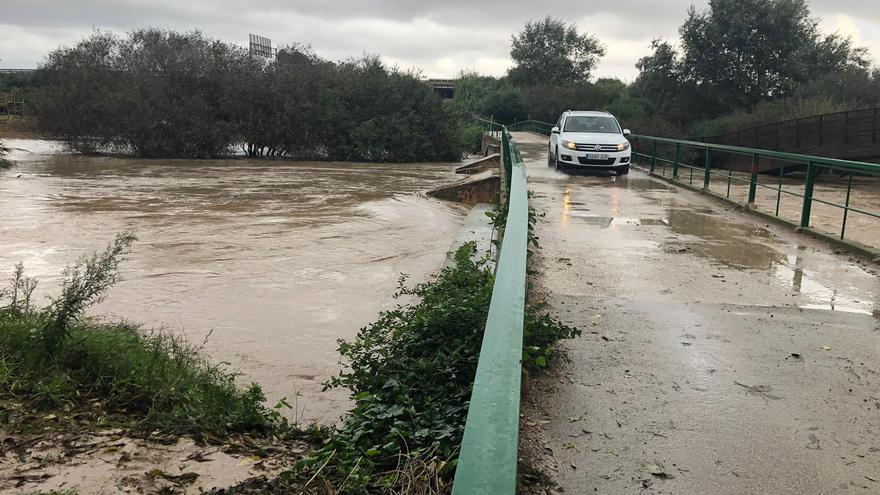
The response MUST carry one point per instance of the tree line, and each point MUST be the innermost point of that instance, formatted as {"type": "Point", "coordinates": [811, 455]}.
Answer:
{"type": "Point", "coordinates": [739, 63]}
{"type": "Point", "coordinates": [159, 93]}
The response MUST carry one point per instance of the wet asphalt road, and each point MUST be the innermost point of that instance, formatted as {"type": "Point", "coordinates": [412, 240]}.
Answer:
{"type": "Point", "coordinates": [726, 355]}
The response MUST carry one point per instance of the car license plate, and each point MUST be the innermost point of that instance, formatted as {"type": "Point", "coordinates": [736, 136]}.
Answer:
{"type": "Point", "coordinates": [597, 156]}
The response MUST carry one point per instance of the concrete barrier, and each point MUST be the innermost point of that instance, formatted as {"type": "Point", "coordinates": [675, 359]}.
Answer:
{"type": "Point", "coordinates": [480, 165]}
{"type": "Point", "coordinates": [482, 187]}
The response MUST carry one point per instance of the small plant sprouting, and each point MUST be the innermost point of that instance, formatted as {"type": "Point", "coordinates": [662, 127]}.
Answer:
{"type": "Point", "coordinates": [20, 293]}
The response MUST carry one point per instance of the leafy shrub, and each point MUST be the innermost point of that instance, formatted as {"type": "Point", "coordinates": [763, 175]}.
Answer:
{"type": "Point", "coordinates": [411, 374]}
{"type": "Point", "coordinates": [472, 137]}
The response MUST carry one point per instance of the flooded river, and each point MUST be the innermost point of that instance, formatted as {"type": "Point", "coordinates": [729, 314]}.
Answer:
{"type": "Point", "coordinates": [276, 260]}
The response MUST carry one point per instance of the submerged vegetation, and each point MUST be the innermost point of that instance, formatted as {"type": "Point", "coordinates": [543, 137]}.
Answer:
{"type": "Point", "coordinates": [54, 358]}
{"type": "Point", "coordinates": [4, 152]}
{"type": "Point", "coordinates": [160, 93]}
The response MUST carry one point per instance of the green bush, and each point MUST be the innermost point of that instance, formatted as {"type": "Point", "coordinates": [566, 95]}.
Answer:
{"type": "Point", "coordinates": [411, 373]}
{"type": "Point", "coordinates": [472, 137]}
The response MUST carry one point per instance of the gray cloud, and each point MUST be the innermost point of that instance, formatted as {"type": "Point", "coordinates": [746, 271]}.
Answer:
{"type": "Point", "coordinates": [439, 37]}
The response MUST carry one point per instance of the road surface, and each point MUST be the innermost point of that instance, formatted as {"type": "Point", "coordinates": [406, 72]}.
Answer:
{"type": "Point", "coordinates": [719, 355]}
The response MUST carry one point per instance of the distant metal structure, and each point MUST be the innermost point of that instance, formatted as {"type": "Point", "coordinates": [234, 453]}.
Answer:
{"type": "Point", "coordinates": [850, 135]}
{"type": "Point", "coordinates": [262, 46]}
{"type": "Point", "coordinates": [445, 88]}
{"type": "Point", "coordinates": [13, 106]}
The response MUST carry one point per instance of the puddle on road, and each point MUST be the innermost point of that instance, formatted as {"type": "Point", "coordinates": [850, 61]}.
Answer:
{"type": "Point", "coordinates": [609, 203]}
{"type": "Point", "coordinates": [724, 241]}
{"type": "Point", "coordinates": [802, 280]}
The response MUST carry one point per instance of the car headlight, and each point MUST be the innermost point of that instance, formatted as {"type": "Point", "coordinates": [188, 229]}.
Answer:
{"type": "Point", "coordinates": [569, 144]}
{"type": "Point", "coordinates": [622, 146]}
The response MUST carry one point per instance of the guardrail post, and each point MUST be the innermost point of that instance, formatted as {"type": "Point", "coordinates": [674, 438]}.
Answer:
{"type": "Point", "coordinates": [753, 181]}
{"type": "Point", "coordinates": [812, 171]}
{"type": "Point", "coordinates": [653, 155]}
{"type": "Point", "coordinates": [846, 206]}
{"type": "Point", "coordinates": [675, 158]}
{"type": "Point", "coordinates": [708, 174]}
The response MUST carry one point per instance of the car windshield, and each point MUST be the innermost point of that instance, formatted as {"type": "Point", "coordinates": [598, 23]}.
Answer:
{"type": "Point", "coordinates": [585, 123]}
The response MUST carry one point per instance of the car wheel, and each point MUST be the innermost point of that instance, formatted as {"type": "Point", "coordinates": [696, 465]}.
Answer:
{"type": "Point", "coordinates": [623, 170]}
{"type": "Point", "coordinates": [549, 158]}
{"type": "Point", "coordinates": [559, 166]}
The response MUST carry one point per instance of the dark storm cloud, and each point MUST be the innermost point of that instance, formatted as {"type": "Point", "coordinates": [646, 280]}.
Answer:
{"type": "Point", "coordinates": [441, 37]}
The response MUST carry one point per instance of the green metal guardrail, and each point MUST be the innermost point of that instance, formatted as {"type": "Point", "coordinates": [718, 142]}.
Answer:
{"type": "Point", "coordinates": [488, 457]}
{"type": "Point", "coordinates": [535, 126]}
{"type": "Point", "coordinates": [714, 165]}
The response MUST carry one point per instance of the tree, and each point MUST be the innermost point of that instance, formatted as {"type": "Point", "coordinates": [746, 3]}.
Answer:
{"type": "Point", "coordinates": [471, 91]}
{"type": "Point", "coordinates": [739, 53]}
{"type": "Point", "coordinates": [743, 51]}
{"type": "Point", "coordinates": [158, 93]}
{"type": "Point", "coordinates": [504, 105]}
{"type": "Point", "coordinates": [659, 74]}
{"type": "Point", "coordinates": [551, 51]}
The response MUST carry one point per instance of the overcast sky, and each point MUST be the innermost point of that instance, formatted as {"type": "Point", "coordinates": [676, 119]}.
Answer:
{"type": "Point", "coordinates": [439, 37]}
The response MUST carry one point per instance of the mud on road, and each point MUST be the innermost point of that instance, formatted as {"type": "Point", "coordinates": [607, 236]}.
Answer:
{"type": "Point", "coordinates": [720, 354]}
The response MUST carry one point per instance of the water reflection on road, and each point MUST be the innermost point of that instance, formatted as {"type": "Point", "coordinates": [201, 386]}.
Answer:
{"type": "Point", "coordinates": [279, 259]}
{"type": "Point", "coordinates": [622, 211]}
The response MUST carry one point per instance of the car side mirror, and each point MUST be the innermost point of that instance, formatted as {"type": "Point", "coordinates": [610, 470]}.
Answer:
{"type": "Point", "coordinates": [555, 130]}
{"type": "Point", "coordinates": [626, 132]}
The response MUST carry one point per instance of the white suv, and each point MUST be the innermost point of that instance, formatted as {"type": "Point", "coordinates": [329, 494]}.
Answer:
{"type": "Point", "coordinates": [591, 140]}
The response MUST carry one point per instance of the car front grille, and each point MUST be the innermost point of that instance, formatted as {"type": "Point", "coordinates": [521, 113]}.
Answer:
{"type": "Point", "coordinates": [584, 161]}
{"type": "Point", "coordinates": [603, 148]}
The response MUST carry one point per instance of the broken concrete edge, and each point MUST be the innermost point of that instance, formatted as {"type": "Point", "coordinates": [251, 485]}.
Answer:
{"type": "Point", "coordinates": [477, 227]}
{"type": "Point", "coordinates": [483, 187]}
{"type": "Point", "coordinates": [853, 246]}
{"type": "Point", "coordinates": [490, 145]}
{"type": "Point", "coordinates": [490, 162]}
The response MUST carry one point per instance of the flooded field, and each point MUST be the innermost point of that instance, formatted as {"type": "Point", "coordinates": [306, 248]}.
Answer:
{"type": "Point", "coordinates": [270, 261]}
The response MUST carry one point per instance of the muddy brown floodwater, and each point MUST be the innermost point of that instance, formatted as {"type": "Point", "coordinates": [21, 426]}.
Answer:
{"type": "Point", "coordinates": [276, 260]}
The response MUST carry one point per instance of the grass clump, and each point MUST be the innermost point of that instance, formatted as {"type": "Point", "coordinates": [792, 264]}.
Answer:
{"type": "Point", "coordinates": [54, 358]}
